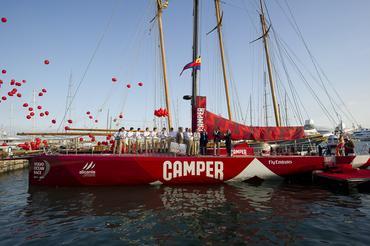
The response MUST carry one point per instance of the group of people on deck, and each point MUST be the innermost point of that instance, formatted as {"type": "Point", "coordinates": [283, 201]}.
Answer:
{"type": "Point", "coordinates": [154, 141]}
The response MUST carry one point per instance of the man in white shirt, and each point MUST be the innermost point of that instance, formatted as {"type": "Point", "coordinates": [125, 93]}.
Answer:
{"type": "Point", "coordinates": [147, 140]}
{"type": "Point", "coordinates": [155, 140]}
{"type": "Point", "coordinates": [139, 141]}
{"type": "Point", "coordinates": [171, 138]}
{"type": "Point", "coordinates": [130, 140]}
{"type": "Point", "coordinates": [118, 141]}
{"type": "Point", "coordinates": [196, 139]}
{"type": "Point", "coordinates": [163, 140]}
{"type": "Point", "coordinates": [189, 141]}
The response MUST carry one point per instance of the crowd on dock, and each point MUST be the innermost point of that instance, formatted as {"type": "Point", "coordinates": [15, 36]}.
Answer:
{"type": "Point", "coordinates": [154, 141]}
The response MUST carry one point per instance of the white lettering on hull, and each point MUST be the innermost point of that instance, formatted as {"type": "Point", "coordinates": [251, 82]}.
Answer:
{"type": "Point", "coordinates": [177, 169]}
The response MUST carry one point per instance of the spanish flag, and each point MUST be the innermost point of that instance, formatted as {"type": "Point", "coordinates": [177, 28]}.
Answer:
{"type": "Point", "coordinates": [195, 65]}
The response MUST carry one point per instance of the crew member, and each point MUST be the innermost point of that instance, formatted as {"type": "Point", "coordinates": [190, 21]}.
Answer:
{"type": "Point", "coordinates": [216, 141]}
{"type": "Point", "coordinates": [180, 136]}
{"type": "Point", "coordinates": [228, 142]}
{"type": "Point", "coordinates": [203, 142]}
{"type": "Point", "coordinates": [349, 147]}
{"type": "Point", "coordinates": [129, 140]}
{"type": "Point", "coordinates": [189, 141]}
{"type": "Point", "coordinates": [196, 139]}
{"type": "Point", "coordinates": [155, 140]}
{"type": "Point", "coordinates": [171, 138]}
{"type": "Point", "coordinates": [163, 140]}
{"type": "Point", "coordinates": [117, 141]}
{"type": "Point", "coordinates": [147, 140]}
{"type": "Point", "coordinates": [139, 141]}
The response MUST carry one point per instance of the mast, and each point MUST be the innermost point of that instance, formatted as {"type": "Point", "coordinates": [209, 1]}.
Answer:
{"type": "Point", "coordinates": [265, 99]}
{"type": "Point", "coordinates": [218, 17]}
{"type": "Point", "coordinates": [195, 52]}
{"type": "Point", "coordinates": [160, 6]}
{"type": "Point", "coordinates": [269, 67]}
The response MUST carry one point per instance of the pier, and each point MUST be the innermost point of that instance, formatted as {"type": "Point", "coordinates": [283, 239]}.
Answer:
{"type": "Point", "coordinates": [10, 165]}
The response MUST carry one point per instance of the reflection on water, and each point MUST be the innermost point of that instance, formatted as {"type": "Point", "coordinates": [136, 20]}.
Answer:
{"type": "Point", "coordinates": [220, 214]}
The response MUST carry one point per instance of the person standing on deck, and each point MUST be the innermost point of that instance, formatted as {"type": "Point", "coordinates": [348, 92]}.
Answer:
{"type": "Point", "coordinates": [216, 141]}
{"type": "Point", "coordinates": [129, 137]}
{"type": "Point", "coordinates": [118, 141]}
{"type": "Point", "coordinates": [139, 141]}
{"type": "Point", "coordinates": [180, 136]}
{"type": "Point", "coordinates": [189, 141]}
{"type": "Point", "coordinates": [203, 142]}
{"type": "Point", "coordinates": [196, 139]}
{"type": "Point", "coordinates": [155, 140]}
{"type": "Point", "coordinates": [349, 147]}
{"type": "Point", "coordinates": [163, 140]}
{"type": "Point", "coordinates": [228, 142]}
{"type": "Point", "coordinates": [147, 140]}
{"type": "Point", "coordinates": [171, 138]}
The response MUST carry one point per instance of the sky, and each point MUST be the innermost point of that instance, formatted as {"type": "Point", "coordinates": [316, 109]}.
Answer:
{"type": "Point", "coordinates": [89, 41]}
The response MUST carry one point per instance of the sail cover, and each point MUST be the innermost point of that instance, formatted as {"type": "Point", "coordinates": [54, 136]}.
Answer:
{"type": "Point", "coordinates": [208, 121]}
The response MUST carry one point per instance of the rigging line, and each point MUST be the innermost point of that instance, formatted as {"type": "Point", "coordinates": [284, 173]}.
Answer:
{"type": "Point", "coordinates": [298, 31]}
{"type": "Point", "coordinates": [91, 60]}
{"type": "Point", "coordinates": [249, 16]}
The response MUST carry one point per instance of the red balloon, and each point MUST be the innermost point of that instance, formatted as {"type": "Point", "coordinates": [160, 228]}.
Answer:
{"type": "Point", "coordinates": [3, 98]}
{"type": "Point", "coordinates": [46, 62]}
{"type": "Point", "coordinates": [53, 121]}
{"type": "Point", "coordinates": [46, 112]}
{"type": "Point", "coordinates": [1, 82]}
{"type": "Point", "coordinates": [93, 139]}
{"type": "Point", "coordinates": [25, 105]}
{"type": "Point", "coordinates": [88, 112]}
{"type": "Point", "coordinates": [90, 117]}
{"type": "Point", "coordinates": [4, 20]}
{"type": "Point", "coordinates": [14, 91]}
{"type": "Point", "coordinates": [120, 116]}
{"type": "Point", "coordinates": [18, 84]}
{"type": "Point", "coordinates": [10, 94]}
{"type": "Point", "coordinates": [128, 86]}
{"type": "Point", "coordinates": [66, 128]}
{"type": "Point", "coordinates": [44, 90]}
{"type": "Point", "coordinates": [3, 71]}
{"type": "Point", "coordinates": [28, 117]}
{"type": "Point", "coordinates": [42, 114]}
{"type": "Point", "coordinates": [96, 121]}
{"type": "Point", "coordinates": [30, 109]}
{"type": "Point", "coordinates": [140, 83]}
{"type": "Point", "coordinates": [41, 94]}
{"type": "Point", "coordinates": [39, 107]}
{"type": "Point", "coordinates": [32, 113]}
{"type": "Point", "coordinates": [70, 121]}
{"type": "Point", "coordinates": [24, 81]}
{"type": "Point", "coordinates": [19, 95]}
{"type": "Point", "coordinates": [114, 79]}
{"type": "Point", "coordinates": [81, 139]}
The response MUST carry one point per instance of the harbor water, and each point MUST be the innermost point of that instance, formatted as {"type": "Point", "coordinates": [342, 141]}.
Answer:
{"type": "Point", "coordinates": [269, 213]}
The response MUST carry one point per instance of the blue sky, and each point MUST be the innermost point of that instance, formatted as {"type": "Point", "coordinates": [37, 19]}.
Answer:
{"type": "Point", "coordinates": [67, 33]}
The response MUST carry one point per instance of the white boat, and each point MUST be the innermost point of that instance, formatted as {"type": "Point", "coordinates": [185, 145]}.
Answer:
{"type": "Point", "coordinates": [362, 134]}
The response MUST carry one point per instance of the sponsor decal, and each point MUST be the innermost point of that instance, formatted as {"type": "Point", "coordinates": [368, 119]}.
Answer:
{"type": "Point", "coordinates": [200, 119]}
{"type": "Point", "coordinates": [40, 169]}
{"type": "Point", "coordinates": [88, 170]}
{"type": "Point", "coordinates": [178, 169]}
{"type": "Point", "coordinates": [280, 162]}
{"type": "Point", "coordinates": [239, 152]}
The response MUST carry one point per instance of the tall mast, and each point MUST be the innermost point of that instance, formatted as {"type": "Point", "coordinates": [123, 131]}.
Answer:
{"type": "Point", "coordinates": [195, 52]}
{"type": "Point", "coordinates": [218, 16]}
{"type": "Point", "coordinates": [265, 98]}
{"type": "Point", "coordinates": [269, 67]}
{"type": "Point", "coordinates": [160, 6]}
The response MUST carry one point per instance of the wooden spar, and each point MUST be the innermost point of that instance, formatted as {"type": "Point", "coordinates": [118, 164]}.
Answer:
{"type": "Point", "coordinates": [160, 7]}
{"type": "Point", "coordinates": [269, 67]}
{"type": "Point", "coordinates": [265, 98]}
{"type": "Point", "coordinates": [92, 130]}
{"type": "Point", "coordinates": [218, 17]}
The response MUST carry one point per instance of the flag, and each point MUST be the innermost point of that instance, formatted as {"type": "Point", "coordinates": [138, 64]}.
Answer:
{"type": "Point", "coordinates": [195, 65]}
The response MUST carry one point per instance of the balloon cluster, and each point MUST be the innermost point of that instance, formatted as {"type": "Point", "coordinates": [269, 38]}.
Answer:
{"type": "Point", "coordinates": [34, 145]}
{"type": "Point", "coordinates": [162, 112]}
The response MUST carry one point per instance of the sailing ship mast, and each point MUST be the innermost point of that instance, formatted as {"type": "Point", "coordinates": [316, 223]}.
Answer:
{"type": "Point", "coordinates": [219, 20]}
{"type": "Point", "coordinates": [160, 6]}
{"type": "Point", "coordinates": [269, 67]}
{"type": "Point", "coordinates": [195, 55]}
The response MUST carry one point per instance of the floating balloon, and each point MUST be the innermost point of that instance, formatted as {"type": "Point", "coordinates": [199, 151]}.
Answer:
{"type": "Point", "coordinates": [42, 114]}
{"type": "Point", "coordinates": [41, 94]}
{"type": "Point", "coordinates": [3, 71]}
{"type": "Point", "coordinates": [19, 95]}
{"type": "Point", "coordinates": [4, 20]}
{"type": "Point", "coordinates": [81, 139]}
{"type": "Point", "coordinates": [24, 81]}
{"type": "Point", "coordinates": [10, 94]}
{"type": "Point", "coordinates": [140, 84]}
{"type": "Point", "coordinates": [44, 90]}
{"type": "Point", "coordinates": [90, 117]}
{"type": "Point", "coordinates": [128, 86]}
{"type": "Point", "coordinates": [46, 112]}
{"type": "Point", "coordinates": [88, 112]}
{"type": "Point", "coordinates": [18, 84]}
{"type": "Point", "coordinates": [114, 79]}
{"type": "Point", "coordinates": [3, 98]}
{"type": "Point", "coordinates": [28, 117]}
{"type": "Point", "coordinates": [1, 82]}
{"type": "Point", "coordinates": [67, 128]}
{"type": "Point", "coordinates": [32, 114]}
{"type": "Point", "coordinates": [53, 121]}
{"type": "Point", "coordinates": [39, 107]}
{"type": "Point", "coordinates": [46, 62]}
{"type": "Point", "coordinates": [30, 109]}
{"type": "Point", "coordinates": [70, 121]}
{"type": "Point", "coordinates": [25, 105]}
{"type": "Point", "coordinates": [120, 116]}
{"type": "Point", "coordinates": [96, 121]}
